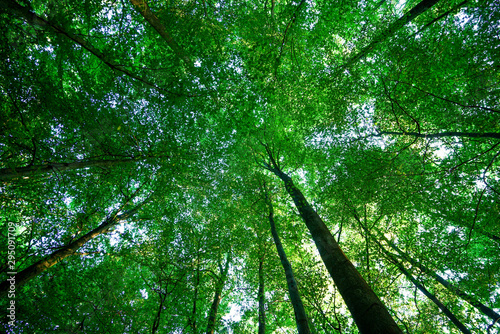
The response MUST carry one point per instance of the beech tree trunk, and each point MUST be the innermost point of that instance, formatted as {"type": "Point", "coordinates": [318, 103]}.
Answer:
{"type": "Point", "coordinates": [293, 290]}
{"type": "Point", "coordinates": [369, 313]}
{"type": "Point", "coordinates": [262, 311]}
{"type": "Point", "coordinates": [156, 321]}
{"type": "Point", "coordinates": [219, 286]}
{"type": "Point", "coordinates": [68, 250]}
{"type": "Point", "coordinates": [192, 318]}
{"type": "Point", "coordinates": [7, 174]}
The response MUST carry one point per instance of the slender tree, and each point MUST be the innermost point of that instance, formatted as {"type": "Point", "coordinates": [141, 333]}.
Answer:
{"type": "Point", "coordinates": [293, 290]}
{"type": "Point", "coordinates": [219, 286]}
{"type": "Point", "coordinates": [262, 299]}
{"type": "Point", "coordinates": [368, 311]}
{"type": "Point", "coordinates": [426, 292]}
{"type": "Point", "coordinates": [412, 279]}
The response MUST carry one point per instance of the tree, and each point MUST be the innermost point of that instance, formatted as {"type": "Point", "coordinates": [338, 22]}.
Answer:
{"type": "Point", "coordinates": [298, 307]}
{"type": "Point", "coordinates": [368, 312]}
{"type": "Point", "coordinates": [388, 110]}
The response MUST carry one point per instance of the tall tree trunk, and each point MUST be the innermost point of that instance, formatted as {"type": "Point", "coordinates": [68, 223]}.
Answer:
{"type": "Point", "coordinates": [293, 290]}
{"type": "Point", "coordinates": [262, 311]}
{"type": "Point", "coordinates": [219, 286]}
{"type": "Point", "coordinates": [68, 250]}
{"type": "Point", "coordinates": [459, 293]}
{"type": "Point", "coordinates": [192, 319]}
{"type": "Point", "coordinates": [7, 174]}
{"type": "Point", "coordinates": [156, 321]}
{"type": "Point", "coordinates": [368, 311]}
{"type": "Point", "coordinates": [422, 7]}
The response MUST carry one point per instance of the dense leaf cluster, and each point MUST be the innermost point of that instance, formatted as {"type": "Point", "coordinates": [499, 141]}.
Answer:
{"type": "Point", "coordinates": [142, 144]}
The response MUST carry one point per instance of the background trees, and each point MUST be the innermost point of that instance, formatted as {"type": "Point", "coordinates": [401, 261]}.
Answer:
{"type": "Point", "coordinates": [388, 126]}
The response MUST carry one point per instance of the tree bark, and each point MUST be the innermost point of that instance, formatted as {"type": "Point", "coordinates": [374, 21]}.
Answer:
{"type": "Point", "coordinates": [262, 311]}
{"type": "Point", "coordinates": [37, 268]}
{"type": "Point", "coordinates": [156, 321]}
{"type": "Point", "coordinates": [293, 290]}
{"type": "Point", "coordinates": [393, 28]}
{"type": "Point", "coordinates": [7, 174]}
{"type": "Point", "coordinates": [192, 319]}
{"type": "Point", "coordinates": [459, 293]}
{"type": "Point", "coordinates": [368, 311]}
{"type": "Point", "coordinates": [219, 286]}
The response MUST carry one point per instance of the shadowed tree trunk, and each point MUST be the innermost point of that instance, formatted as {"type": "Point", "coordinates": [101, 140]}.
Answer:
{"type": "Point", "coordinates": [192, 319]}
{"type": "Point", "coordinates": [368, 311]}
{"type": "Point", "coordinates": [293, 290]}
{"type": "Point", "coordinates": [68, 250]}
{"type": "Point", "coordinates": [262, 311]}
{"type": "Point", "coordinates": [156, 321]}
{"type": "Point", "coordinates": [219, 285]}
{"type": "Point", "coordinates": [7, 174]}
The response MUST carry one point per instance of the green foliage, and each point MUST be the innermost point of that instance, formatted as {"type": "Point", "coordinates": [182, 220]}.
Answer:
{"type": "Point", "coordinates": [92, 81]}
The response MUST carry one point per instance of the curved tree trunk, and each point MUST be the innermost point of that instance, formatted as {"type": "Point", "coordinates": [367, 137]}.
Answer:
{"type": "Point", "coordinates": [293, 290]}
{"type": "Point", "coordinates": [369, 313]}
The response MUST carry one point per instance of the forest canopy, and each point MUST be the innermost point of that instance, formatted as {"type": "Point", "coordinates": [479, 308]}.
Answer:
{"type": "Point", "coordinates": [298, 166]}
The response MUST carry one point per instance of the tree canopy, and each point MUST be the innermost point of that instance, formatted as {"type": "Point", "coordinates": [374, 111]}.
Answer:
{"type": "Point", "coordinates": [148, 148]}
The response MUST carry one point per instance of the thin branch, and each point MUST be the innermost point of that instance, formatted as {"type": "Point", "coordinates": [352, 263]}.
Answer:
{"type": "Point", "coordinates": [447, 100]}
{"type": "Point", "coordinates": [442, 134]}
